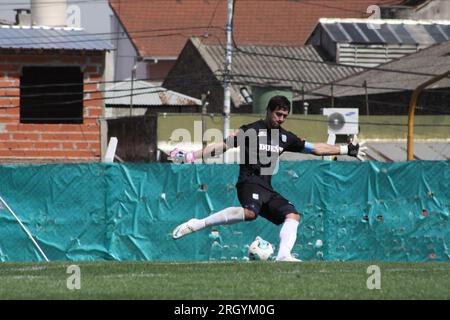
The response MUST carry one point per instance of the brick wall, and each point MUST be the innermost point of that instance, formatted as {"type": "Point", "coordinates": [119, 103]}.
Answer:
{"type": "Point", "coordinates": [42, 143]}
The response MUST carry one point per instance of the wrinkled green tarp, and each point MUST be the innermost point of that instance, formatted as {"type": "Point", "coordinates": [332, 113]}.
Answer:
{"type": "Point", "coordinates": [357, 211]}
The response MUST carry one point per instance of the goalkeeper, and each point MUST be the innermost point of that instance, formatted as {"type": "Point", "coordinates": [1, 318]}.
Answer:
{"type": "Point", "coordinates": [261, 143]}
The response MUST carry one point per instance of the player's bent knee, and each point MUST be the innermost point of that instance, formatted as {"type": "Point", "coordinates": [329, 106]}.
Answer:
{"type": "Point", "coordinates": [249, 215]}
{"type": "Point", "coordinates": [294, 216]}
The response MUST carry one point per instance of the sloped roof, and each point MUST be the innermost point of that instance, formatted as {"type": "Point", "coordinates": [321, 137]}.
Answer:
{"type": "Point", "coordinates": [160, 28]}
{"type": "Point", "coordinates": [16, 37]}
{"type": "Point", "coordinates": [145, 94]}
{"type": "Point", "coordinates": [388, 31]}
{"type": "Point", "coordinates": [282, 66]}
{"type": "Point", "coordinates": [405, 73]}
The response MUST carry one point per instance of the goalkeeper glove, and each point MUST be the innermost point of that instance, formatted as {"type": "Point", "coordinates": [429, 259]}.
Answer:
{"type": "Point", "coordinates": [354, 149]}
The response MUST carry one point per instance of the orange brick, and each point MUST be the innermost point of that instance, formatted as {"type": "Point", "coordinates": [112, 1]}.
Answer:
{"type": "Point", "coordinates": [93, 103]}
{"type": "Point", "coordinates": [12, 127]}
{"type": "Point", "coordinates": [68, 145]}
{"type": "Point", "coordinates": [94, 77]}
{"type": "Point", "coordinates": [70, 137]}
{"type": "Point", "coordinates": [8, 84]}
{"type": "Point", "coordinates": [89, 87]}
{"type": "Point", "coordinates": [61, 153]}
{"type": "Point", "coordinates": [24, 127]}
{"type": "Point", "coordinates": [91, 122]}
{"type": "Point", "coordinates": [10, 92]}
{"type": "Point", "coordinates": [25, 136]}
{"type": "Point", "coordinates": [47, 145]}
{"type": "Point", "coordinates": [61, 128]}
{"type": "Point", "coordinates": [9, 102]}
{"type": "Point", "coordinates": [94, 145]}
{"type": "Point", "coordinates": [12, 153]}
{"type": "Point", "coordinates": [94, 112]}
{"type": "Point", "coordinates": [16, 145]}
{"type": "Point", "coordinates": [8, 119]}
{"type": "Point", "coordinates": [95, 96]}
{"type": "Point", "coordinates": [81, 145]}
{"type": "Point", "coordinates": [90, 128]}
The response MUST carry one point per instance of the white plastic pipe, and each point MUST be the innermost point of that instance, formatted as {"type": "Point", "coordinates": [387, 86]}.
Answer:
{"type": "Point", "coordinates": [24, 228]}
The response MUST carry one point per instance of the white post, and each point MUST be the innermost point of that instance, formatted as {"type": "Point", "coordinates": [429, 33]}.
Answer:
{"type": "Point", "coordinates": [24, 228]}
{"type": "Point", "coordinates": [331, 140]}
{"type": "Point", "coordinates": [111, 150]}
{"type": "Point", "coordinates": [227, 76]}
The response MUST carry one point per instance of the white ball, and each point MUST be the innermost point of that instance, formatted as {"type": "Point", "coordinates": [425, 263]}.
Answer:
{"type": "Point", "coordinates": [260, 250]}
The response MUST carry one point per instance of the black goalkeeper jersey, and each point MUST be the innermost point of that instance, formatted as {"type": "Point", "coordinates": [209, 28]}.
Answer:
{"type": "Point", "coordinates": [260, 149]}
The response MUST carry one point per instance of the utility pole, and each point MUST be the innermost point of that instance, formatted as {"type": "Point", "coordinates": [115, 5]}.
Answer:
{"type": "Point", "coordinates": [227, 75]}
{"type": "Point", "coordinates": [205, 104]}
{"type": "Point", "coordinates": [133, 75]}
{"type": "Point", "coordinates": [367, 97]}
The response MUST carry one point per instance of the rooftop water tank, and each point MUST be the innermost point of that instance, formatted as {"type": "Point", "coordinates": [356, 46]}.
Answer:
{"type": "Point", "coordinates": [51, 13]}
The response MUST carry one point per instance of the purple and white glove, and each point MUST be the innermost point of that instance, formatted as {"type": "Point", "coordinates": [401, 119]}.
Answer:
{"type": "Point", "coordinates": [181, 156]}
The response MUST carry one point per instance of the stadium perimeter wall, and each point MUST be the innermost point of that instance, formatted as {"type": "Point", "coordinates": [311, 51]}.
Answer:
{"type": "Point", "coordinates": [97, 211]}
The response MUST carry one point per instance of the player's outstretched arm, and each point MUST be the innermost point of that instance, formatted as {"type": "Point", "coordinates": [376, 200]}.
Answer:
{"type": "Point", "coordinates": [182, 156]}
{"type": "Point", "coordinates": [353, 149]}
{"type": "Point", "coordinates": [211, 150]}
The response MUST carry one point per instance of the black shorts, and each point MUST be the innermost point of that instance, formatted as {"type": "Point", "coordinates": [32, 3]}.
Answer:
{"type": "Point", "coordinates": [264, 202]}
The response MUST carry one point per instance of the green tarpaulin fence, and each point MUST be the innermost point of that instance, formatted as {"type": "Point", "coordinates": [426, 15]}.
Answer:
{"type": "Point", "coordinates": [97, 211]}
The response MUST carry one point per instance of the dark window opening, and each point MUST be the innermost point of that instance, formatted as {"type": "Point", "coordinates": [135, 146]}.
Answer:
{"type": "Point", "coordinates": [51, 95]}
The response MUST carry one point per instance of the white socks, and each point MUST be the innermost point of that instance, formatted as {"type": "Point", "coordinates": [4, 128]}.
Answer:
{"type": "Point", "coordinates": [288, 232]}
{"type": "Point", "coordinates": [288, 236]}
{"type": "Point", "coordinates": [226, 216]}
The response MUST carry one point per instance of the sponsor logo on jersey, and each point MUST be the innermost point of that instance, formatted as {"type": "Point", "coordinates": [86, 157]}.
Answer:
{"type": "Point", "coordinates": [268, 147]}
{"type": "Point", "coordinates": [283, 138]}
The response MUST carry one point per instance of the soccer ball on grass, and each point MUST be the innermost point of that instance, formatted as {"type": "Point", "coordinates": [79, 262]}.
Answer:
{"type": "Point", "coordinates": [260, 249]}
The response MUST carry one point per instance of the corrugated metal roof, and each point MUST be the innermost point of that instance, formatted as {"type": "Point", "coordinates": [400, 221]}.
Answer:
{"type": "Point", "coordinates": [145, 94]}
{"type": "Point", "coordinates": [276, 65]}
{"type": "Point", "coordinates": [16, 37]}
{"type": "Point", "coordinates": [387, 31]}
{"type": "Point", "coordinates": [430, 61]}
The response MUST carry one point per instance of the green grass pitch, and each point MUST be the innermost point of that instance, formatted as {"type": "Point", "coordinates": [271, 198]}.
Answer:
{"type": "Point", "coordinates": [224, 280]}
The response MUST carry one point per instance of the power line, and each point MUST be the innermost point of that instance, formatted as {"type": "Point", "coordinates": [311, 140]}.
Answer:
{"type": "Point", "coordinates": [238, 49]}
{"type": "Point", "coordinates": [180, 80]}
